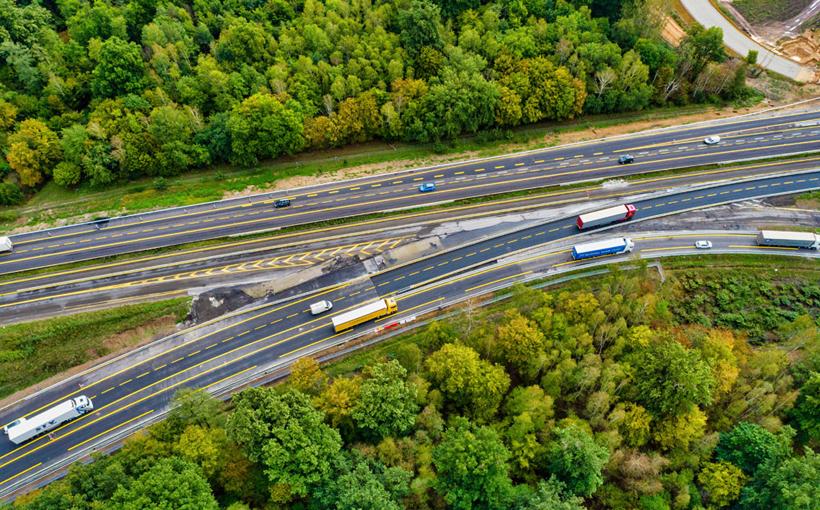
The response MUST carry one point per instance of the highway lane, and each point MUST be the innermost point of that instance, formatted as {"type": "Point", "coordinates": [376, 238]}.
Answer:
{"type": "Point", "coordinates": [424, 271]}
{"type": "Point", "coordinates": [70, 291]}
{"type": "Point", "coordinates": [31, 303]}
{"type": "Point", "coordinates": [659, 151]}
{"type": "Point", "coordinates": [267, 333]}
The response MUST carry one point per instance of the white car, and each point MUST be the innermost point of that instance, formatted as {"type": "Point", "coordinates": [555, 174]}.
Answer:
{"type": "Point", "coordinates": [712, 140]}
{"type": "Point", "coordinates": [6, 244]}
{"type": "Point", "coordinates": [703, 245]}
{"type": "Point", "coordinates": [320, 307]}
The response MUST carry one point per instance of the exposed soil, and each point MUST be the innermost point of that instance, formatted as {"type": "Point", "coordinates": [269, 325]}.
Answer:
{"type": "Point", "coordinates": [118, 344]}
{"type": "Point", "coordinates": [672, 32]}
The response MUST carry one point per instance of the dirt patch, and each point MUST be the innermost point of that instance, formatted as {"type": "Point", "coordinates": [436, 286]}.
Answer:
{"type": "Point", "coordinates": [116, 345]}
{"type": "Point", "coordinates": [672, 32]}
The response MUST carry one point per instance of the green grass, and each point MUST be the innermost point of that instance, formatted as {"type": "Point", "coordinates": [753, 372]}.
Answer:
{"type": "Point", "coordinates": [53, 203]}
{"type": "Point", "coordinates": [34, 351]}
{"type": "Point", "coordinates": [761, 11]}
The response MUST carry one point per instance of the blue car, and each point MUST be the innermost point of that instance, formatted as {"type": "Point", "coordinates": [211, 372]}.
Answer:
{"type": "Point", "coordinates": [427, 186]}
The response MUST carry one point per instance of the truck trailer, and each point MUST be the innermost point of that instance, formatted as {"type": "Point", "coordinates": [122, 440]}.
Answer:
{"type": "Point", "coordinates": [600, 248]}
{"type": "Point", "coordinates": [23, 429]}
{"type": "Point", "coordinates": [6, 245]}
{"type": "Point", "coordinates": [789, 239]}
{"type": "Point", "coordinates": [365, 313]}
{"type": "Point", "coordinates": [606, 216]}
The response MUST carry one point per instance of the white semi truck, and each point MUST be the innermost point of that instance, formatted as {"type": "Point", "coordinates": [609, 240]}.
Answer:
{"type": "Point", "coordinates": [23, 429]}
{"type": "Point", "coordinates": [613, 246]}
{"type": "Point", "coordinates": [789, 239]}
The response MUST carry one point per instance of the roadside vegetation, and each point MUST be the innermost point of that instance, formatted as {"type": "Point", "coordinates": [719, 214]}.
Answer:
{"type": "Point", "coordinates": [31, 352]}
{"type": "Point", "coordinates": [606, 393]}
{"type": "Point", "coordinates": [761, 11]}
{"type": "Point", "coordinates": [93, 94]}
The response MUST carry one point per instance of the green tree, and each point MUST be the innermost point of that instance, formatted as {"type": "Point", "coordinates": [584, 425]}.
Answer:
{"type": "Point", "coordinates": [387, 403]}
{"type": "Point", "coordinates": [67, 174]}
{"type": "Point", "coordinates": [170, 483]}
{"type": "Point", "coordinates": [307, 377]}
{"type": "Point", "coordinates": [749, 445]}
{"type": "Point", "coordinates": [469, 384]}
{"type": "Point", "coordinates": [670, 379]}
{"type": "Point", "coordinates": [721, 481]}
{"type": "Point", "coordinates": [793, 484]}
{"type": "Point", "coordinates": [120, 69]}
{"type": "Point", "coordinates": [287, 436]}
{"type": "Point", "coordinates": [362, 485]}
{"type": "Point", "coordinates": [471, 467]}
{"type": "Point", "coordinates": [577, 460]}
{"type": "Point", "coordinates": [263, 127]}
{"type": "Point", "coordinates": [806, 411]}
{"type": "Point", "coordinates": [33, 148]}
{"type": "Point", "coordinates": [419, 26]}
{"type": "Point", "coordinates": [520, 344]}
{"type": "Point", "coordinates": [549, 495]}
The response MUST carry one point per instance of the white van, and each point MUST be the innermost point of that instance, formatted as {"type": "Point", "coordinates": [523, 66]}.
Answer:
{"type": "Point", "coordinates": [6, 244]}
{"type": "Point", "coordinates": [320, 307]}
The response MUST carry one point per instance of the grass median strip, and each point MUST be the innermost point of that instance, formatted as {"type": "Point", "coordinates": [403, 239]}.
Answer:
{"type": "Point", "coordinates": [34, 351]}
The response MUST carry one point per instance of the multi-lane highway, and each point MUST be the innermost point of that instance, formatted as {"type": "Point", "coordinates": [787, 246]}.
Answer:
{"type": "Point", "coordinates": [140, 385]}
{"type": "Point", "coordinates": [743, 138]}
{"type": "Point", "coordinates": [173, 274]}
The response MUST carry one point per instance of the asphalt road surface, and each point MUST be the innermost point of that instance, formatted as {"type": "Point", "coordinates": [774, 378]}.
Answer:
{"type": "Point", "coordinates": [663, 150]}
{"type": "Point", "coordinates": [140, 385]}
{"type": "Point", "coordinates": [109, 284]}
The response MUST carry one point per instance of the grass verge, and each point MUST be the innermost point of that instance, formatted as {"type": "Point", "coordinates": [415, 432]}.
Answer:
{"type": "Point", "coordinates": [53, 204]}
{"type": "Point", "coordinates": [35, 351]}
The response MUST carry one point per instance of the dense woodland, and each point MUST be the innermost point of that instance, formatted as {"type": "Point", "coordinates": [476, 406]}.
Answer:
{"type": "Point", "coordinates": [551, 401]}
{"type": "Point", "coordinates": [97, 92]}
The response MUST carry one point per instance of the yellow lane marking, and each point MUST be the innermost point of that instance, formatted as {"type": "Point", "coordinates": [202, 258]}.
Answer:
{"type": "Point", "coordinates": [207, 335]}
{"type": "Point", "coordinates": [456, 165]}
{"type": "Point", "coordinates": [764, 247]}
{"type": "Point", "coordinates": [497, 281]}
{"type": "Point", "coordinates": [518, 180]}
{"type": "Point", "coordinates": [21, 473]}
{"type": "Point", "coordinates": [667, 248]}
{"type": "Point", "coordinates": [135, 418]}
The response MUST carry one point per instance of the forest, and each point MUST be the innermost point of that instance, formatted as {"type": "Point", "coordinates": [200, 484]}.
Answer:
{"type": "Point", "coordinates": [575, 398]}
{"type": "Point", "coordinates": [98, 92]}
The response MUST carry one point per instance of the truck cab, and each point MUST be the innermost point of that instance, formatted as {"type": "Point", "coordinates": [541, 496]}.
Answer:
{"type": "Point", "coordinates": [6, 245]}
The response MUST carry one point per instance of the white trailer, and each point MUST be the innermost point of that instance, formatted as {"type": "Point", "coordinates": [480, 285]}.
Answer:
{"type": "Point", "coordinates": [606, 216]}
{"type": "Point", "coordinates": [6, 245]}
{"type": "Point", "coordinates": [789, 239]}
{"type": "Point", "coordinates": [613, 246]}
{"type": "Point", "coordinates": [23, 429]}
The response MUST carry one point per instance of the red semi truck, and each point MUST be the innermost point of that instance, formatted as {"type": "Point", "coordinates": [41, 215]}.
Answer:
{"type": "Point", "coordinates": [606, 216]}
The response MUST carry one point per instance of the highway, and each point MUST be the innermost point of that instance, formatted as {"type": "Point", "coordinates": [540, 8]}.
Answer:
{"type": "Point", "coordinates": [178, 272]}
{"type": "Point", "coordinates": [138, 387]}
{"type": "Point", "coordinates": [745, 138]}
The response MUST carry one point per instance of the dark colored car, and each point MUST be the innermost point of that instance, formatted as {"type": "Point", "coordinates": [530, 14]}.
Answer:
{"type": "Point", "coordinates": [626, 158]}
{"type": "Point", "coordinates": [282, 202]}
